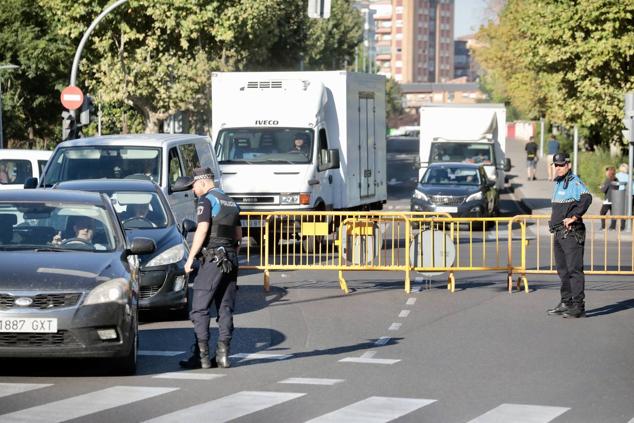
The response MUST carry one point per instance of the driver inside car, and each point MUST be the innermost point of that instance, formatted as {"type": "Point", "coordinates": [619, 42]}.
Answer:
{"type": "Point", "coordinates": [84, 229]}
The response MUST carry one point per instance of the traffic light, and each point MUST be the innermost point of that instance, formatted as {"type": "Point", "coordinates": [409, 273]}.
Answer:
{"type": "Point", "coordinates": [319, 9]}
{"type": "Point", "coordinates": [628, 110]}
{"type": "Point", "coordinates": [86, 113]}
{"type": "Point", "coordinates": [69, 126]}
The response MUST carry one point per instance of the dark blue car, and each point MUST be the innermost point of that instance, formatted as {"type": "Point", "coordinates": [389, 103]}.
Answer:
{"type": "Point", "coordinates": [144, 211]}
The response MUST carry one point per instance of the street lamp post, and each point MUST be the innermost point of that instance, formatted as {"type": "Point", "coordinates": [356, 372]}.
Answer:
{"type": "Point", "coordinates": [2, 67]}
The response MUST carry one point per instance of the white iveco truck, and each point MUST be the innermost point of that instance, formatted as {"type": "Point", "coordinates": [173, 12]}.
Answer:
{"type": "Point", "coordinates": [470, 133]}
{"type": "Point", "coordinates": [298, 141]}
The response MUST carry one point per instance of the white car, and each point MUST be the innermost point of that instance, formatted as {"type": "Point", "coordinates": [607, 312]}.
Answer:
{"type": "Point", "coordinates": [16, 166]}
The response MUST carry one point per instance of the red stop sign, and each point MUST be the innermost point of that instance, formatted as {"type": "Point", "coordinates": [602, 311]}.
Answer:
{"type": "Point", "coordinates": [72, 97]}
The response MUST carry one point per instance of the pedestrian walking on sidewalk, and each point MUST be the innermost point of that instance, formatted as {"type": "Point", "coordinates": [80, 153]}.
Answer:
{"type": "Point", "coordinates": [216, 246]}
{"type": "Point", "coordinates": [531, 158]}
{"type": "Point", "coordinates": [552, 148]}
{"type": "Point", "coordinates": [606, 188]}
{"type": "Point", "coordinates": [570, 201]}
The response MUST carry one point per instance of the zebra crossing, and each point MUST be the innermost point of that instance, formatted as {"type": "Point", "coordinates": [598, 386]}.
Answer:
{"type": "Point", "coordinates": [373, 409]}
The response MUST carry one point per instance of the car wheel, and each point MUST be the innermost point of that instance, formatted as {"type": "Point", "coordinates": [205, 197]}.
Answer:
{"type": "Point", "coordinates": [126, 365]}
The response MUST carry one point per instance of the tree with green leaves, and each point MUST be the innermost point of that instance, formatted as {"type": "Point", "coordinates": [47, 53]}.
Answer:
{"type": "Point", "coordinates": [570, 61]}
{"type": "Point", "coordinates": [157, 57]}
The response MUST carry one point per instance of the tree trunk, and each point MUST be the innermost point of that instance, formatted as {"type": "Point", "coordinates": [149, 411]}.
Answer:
{"type": "Point", "coordinates": [152, 123]}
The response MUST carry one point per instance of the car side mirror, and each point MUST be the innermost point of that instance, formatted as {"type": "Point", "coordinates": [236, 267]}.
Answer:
{"type": "Point", "coordinates": [188, 226]}
{"type": "Point", "coordinates": [507, 165]}
{"type": "Point", "coordinates": [30, 183]}
{"type": "Point", "coordinates": [183, 183]}
{"type": "Point", "coordinates": [141, 245]}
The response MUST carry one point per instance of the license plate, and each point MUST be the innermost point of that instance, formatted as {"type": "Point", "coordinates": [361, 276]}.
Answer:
{"type": "Point", "coordinates": [254, 223]}
{"type": "Point", "coordinates": [447, 209]}
{"type": "Point", "coordinates": [28, 325]}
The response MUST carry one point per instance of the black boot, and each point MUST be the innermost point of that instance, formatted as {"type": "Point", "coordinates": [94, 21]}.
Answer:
{"type": "Point", "coordinates": [575, 311]}
{"type": "Point", "coordinates": [222, 354]}
{"type": "Point", "coordinates": [559, 309]}
{"type": "Point", "coordinates": [193, 362]}
{"type": "Point", "coordinates": [203, 347]}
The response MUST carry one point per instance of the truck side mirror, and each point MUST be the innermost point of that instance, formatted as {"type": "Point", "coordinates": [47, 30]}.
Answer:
{"type": "Point", "coordinates": [333, 160]}
{"type": "Point", "coordinates": [507, 165]}
{"type": "Point", "coordinates": [30, 183]}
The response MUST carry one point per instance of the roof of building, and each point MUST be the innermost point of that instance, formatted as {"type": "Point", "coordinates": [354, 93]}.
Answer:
{"type": "Point", "coordinates": [430, 87]}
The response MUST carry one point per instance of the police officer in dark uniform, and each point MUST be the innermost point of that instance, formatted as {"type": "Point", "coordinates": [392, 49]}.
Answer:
{"type": "Point", "coordinates": [216, 245]}
{"type": "Point", "coordinates": [570, 201]}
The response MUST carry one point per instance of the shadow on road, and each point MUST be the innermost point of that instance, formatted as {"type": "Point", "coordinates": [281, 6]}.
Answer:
{"type": "Point", "coordinates": [611, 308]}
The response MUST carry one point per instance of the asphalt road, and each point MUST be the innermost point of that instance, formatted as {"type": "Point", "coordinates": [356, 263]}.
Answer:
{"type": "Point", "coordinates": [306, 352]}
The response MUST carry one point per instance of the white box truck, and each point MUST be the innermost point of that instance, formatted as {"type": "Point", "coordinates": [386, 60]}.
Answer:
{"type": "Point", "coordinates": [471, 133]}
{"type": "Point", "coordinates": [298, 141]}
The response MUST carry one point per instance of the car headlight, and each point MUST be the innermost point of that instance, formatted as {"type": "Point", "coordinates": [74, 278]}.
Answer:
{"type": "Point", "coordinates": [475, 197]}
{"type": "Point", "coordinates": [419, 195]}
{"type": "Point", "coordinates": [113, 291]}
{"type": "Point", "coordinates": [287, 198]}
{"type": "Point", "coordinates": [171, 255]}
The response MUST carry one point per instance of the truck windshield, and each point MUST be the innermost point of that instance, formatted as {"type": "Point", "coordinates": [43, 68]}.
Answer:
{"type": "Point", "coordinates": [97, 162]}
{"type": "Point", "coordinates": [465, 152]}
{"type": "Point", "coordinates": [265, 145]}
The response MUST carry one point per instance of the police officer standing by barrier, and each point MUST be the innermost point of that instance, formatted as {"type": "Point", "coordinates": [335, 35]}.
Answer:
{"type": "Point", "coordinates": [216, 245]}
{"type": "Point", "coordinates": [570, 201]}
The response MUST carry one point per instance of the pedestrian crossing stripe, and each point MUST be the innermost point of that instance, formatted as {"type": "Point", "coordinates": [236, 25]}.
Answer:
{"type": "Point", "coordinates": [188, 376]}
{"type": "Point", "coordinates": [261, 356]}
{"type": "Point", "coordinates": [310, 381]}
{"type": "Point", "coordinates": [7, 389]}
{"type": "Point", "coordinates": [373, 410]}
{"type": "Point", "coordinates": [161, 353]}
{"type": "Point", "coordinates": [84, 405]}
{"type": "Point", "coordinates": [228, 408]}
{"type": "Point", "coordinates": [520, 413]}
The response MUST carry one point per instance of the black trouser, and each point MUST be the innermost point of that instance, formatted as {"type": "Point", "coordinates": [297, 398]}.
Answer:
{"type": "Point", "coordinates": [211, 284]}
{"type": "Point", "coordinates": [605, 208]}
{"type": "Point", "coordinates": [569, 263]}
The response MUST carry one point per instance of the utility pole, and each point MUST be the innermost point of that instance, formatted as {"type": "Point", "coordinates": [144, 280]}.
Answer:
{"type": "Point", "coordinates": [575, 149]}
{"type": "Point", "coordinates": [628, 133]}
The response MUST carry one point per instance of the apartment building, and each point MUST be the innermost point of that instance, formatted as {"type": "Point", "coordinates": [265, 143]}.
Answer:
{"type": "Point", "coordinates": [413, 39]}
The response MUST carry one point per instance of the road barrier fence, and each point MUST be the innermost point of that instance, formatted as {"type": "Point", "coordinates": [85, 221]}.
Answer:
{"type": "Point", "coordinates": [427, 243]}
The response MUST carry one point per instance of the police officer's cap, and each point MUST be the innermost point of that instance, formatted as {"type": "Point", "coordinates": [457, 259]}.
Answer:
{"type": "Point", "coordinates": [202, 173]}
{"type": "Point", "coordinates": [561, 158]}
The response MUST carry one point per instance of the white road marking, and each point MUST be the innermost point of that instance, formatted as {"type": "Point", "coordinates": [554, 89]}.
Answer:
{"type": "Point", "coordinates": [7, 389]}
{"type": "Point", "coordinates": [382, 340]}
{"type": "Point", "coordinates": [403, 313]}
{"type": "Point", "coordinates": [270, 297]}
{"type": "Point", "coordinates": [311, 381]}
{"type": "Point", "coordinates": [368, 354]}
{"type": "Point", "coordinates": [411, 301]}
{"type": "Point", "coordinates": [363, 360]}
{"type": "Point", "coordinates": [419, 279]}
{"type": "Point", "coordinates": [228, 408]}
{"type": "Point", "coordinates": [394, 326]}
{"type": "Point", "coordinates": [374, 410]}
{"type": "Point", "coordinates": [261, 356]}
{"type": "Point", "coordinates": [261, 344]}
{"type": "Point", "coordinates": [84, 405]}
{"type": "Point", "coordinates": [520, 413]}
{"type": "Point", "coordinates": [188, 376]}
{"type": "Point", "coordinates": [161, 353]}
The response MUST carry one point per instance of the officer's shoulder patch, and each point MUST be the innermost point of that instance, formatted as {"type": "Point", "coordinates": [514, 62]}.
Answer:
{"type": "Point", "coordinates": [200, 210]}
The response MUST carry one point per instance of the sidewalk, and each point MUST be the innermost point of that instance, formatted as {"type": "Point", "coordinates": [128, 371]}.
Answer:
{"type": "Point", "coordinates": [535, 195]}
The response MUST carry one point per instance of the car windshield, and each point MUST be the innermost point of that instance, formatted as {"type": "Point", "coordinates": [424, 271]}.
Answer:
{"type": "Point", "coordinates": [55, 226]}
{"type": "Point", "coordinates": [97, 162]}
{"type": "Point", "coordinates": [139, 210]}
{"type": "Point", "coordinates": [465, 152]}
{"type": "Point", "coordinates": [448, 175]}
{"type": "Point", "coordinates": [265, 145]}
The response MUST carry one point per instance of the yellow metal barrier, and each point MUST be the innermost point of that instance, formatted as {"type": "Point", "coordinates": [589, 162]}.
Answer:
{"type": "Point", "coordinates": [422, 242]}
{"type": "Point", "coordinates": [598, 241]}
